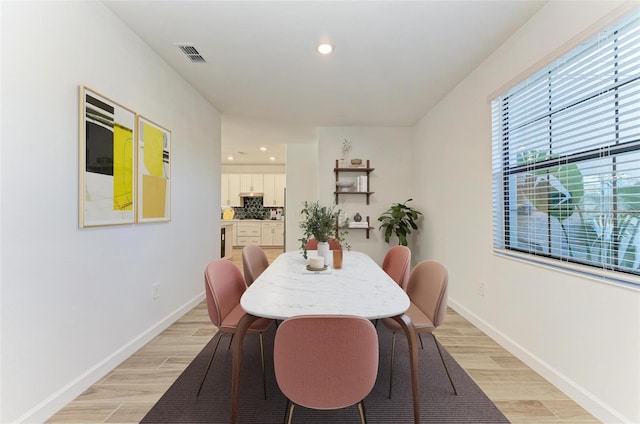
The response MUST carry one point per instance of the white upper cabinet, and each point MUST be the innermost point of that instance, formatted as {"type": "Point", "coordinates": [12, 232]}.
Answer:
{"type": "Point", "coordinates": [251, 183]}
{"type": "Point", "coordinates": [274, 185]}
{"type": "Point", "coordinates": [230, 190]}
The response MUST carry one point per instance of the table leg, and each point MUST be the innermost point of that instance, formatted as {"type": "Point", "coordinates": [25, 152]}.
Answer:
{"type": "Point", "coordinates": [238, 339]}
{"type": "Point", "coordinates": [407, 325]}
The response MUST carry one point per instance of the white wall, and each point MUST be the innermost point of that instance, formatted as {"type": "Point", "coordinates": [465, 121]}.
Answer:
{"type": "Point", "coordinates": [302, 184]}
{"type": "Point", "coordinates": [389, 152]}
{"type": "Point", "coordinates": [582, 335]}
{"type": "Point", "coordinates": [75, 302]}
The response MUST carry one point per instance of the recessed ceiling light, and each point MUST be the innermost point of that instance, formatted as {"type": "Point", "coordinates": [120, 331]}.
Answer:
{"type": "Point", "coordinates": [325, 48]}
{"type": "Point", "coordinates": [272, 158]}
{"type": "Point", "coordinates": [264, 149]}
{"type": "Point", "coordinates": [229, 157]}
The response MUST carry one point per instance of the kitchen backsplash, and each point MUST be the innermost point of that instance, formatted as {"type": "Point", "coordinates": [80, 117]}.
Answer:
{"type": "Point", "coordinates": [253, 209]}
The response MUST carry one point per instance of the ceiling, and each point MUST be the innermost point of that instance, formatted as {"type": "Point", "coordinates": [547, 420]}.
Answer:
{"type": "Point", "coordinates": [393, 60]}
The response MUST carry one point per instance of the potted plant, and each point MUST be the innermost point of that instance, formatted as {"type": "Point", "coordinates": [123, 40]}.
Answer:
{"type": "Point", "coordinates": [399, 219]}
{"type": "Point", "coordinates": [320, 222]}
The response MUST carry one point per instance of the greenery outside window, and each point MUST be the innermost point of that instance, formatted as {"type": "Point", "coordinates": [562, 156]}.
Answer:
{"type": "Point", "coordinates": [566, 157]}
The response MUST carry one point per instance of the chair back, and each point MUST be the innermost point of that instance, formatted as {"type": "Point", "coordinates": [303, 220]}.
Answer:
{"type": "Point", "coordinates": [397, 263]}
{"type": "Point", "coordinates": [427, 289]}
{"type": "Point", "coordinates": [326, 361]}
{"type": "Point", "coordinates": [224, 286]}
{"type": "Point", "coordinates": [254, 261]}
{"type": "Point", "coordinates": [334, 244]}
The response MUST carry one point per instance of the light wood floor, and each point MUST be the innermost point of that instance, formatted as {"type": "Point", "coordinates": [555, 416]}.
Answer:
{"type": "Point", "coordinates": [129, 391]}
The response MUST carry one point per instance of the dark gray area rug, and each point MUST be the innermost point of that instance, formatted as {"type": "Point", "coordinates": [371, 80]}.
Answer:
{"type": "Point", "coordinates": [438, 404]}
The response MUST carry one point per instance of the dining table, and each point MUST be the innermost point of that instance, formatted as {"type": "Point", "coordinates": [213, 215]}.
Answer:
{"type": "Point", "coordinates": [288, 288]}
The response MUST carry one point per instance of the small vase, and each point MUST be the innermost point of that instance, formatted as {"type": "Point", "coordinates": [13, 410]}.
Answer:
{"type": "Point", "coordinates": [323, 250]}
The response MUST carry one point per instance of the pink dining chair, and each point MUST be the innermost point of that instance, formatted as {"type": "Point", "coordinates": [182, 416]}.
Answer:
{"type": "Point", "coordinates": [427, 291]}
{"type": "Point", "coordinates": [224, 286]}
{"type": "Point", "coordinates": [254, 261]}
{"type": "Point", "coordinates": [326, 361]}
{"type": "Point", "coordinates": [397, 263]}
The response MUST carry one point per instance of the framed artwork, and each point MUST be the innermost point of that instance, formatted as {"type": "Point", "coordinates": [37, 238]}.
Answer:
{"type": "Point", "coordinates": [107, 158]}
{"type": "Point", "coordinates": [154, 172]}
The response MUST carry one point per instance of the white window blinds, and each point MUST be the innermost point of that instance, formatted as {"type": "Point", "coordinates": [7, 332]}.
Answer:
{"type": "Point", "coordinates": [566, 156]}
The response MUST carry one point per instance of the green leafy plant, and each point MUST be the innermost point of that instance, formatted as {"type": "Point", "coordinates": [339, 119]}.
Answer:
{"type": "Point", "coordinates": [399, 219]}
{"type": "Point", "coordinates": [320, 222]}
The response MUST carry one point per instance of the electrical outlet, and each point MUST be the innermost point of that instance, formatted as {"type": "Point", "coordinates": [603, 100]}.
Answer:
{"type": "Point", "coordinates": [481, 288]}
{"type": "Point", "coordinates": [155, 290]}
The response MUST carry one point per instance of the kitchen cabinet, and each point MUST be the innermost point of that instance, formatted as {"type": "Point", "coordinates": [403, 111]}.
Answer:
{"type": "Point", "coordinates": [272, 233]}
{"type": "Point", "coordinates": [230, 190]}
{"type": "Point", "coordinates": [251, 183]}
{"type": "Point", "coordinates": [274, 185]}
{"type": "Point", "coordinates": [248, 232]}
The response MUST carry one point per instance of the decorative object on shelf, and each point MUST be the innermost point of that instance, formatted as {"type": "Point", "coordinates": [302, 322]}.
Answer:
{"type": "Point", "coordinates": [357, 217]}
{"type": "Point", "coordinates": [320, 222]}
{"type": "Point", "coordinates": [399, 220]}
{"type": "Point", "coordinates": [356, 162]}
{"type": "Point", "coordinates": [345, 185]}
{"type": "Point", "coordinates": [346, 148]}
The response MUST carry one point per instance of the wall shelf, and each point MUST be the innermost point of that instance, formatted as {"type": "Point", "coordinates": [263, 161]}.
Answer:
{"type": "Point", "coordinates": [367, 229]}
{"type": "Point", "coordinates": [353, 169]}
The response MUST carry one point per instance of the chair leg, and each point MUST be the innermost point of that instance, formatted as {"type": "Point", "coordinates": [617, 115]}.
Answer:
{"type": "Point", "coordinates": [445, 364]}
{"type": "Point", "coordinates": [286, 412]}
{"type": "Point", "coordinates": [209, 365]}
{"type": "Point", "coordinates": [291, 412]}
{"type": "Point", "coordinates": [264, 380]}
{"type": "Point", "coordinates": [363, 415]}
{"type": "Point", "coordinates": [393, 353]}
{"type": "Point", "coordinates": [230, 341]}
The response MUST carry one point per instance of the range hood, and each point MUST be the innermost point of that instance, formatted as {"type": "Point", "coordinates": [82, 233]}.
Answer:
{"type": "Point", "coordinates": [252, 194]}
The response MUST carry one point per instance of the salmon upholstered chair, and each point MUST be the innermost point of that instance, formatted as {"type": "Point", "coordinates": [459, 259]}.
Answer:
{"type": "Point", "coordinates": [427, 290]}
{"type": "Point", "coordinates": [224, 286]}
{"type": "Point", "coordinates": [333, 244]}
{"type": "Point", "coordinates": [397, 263]}
{"type": "Point", "coordinates": [254, 261]}
{"type": "Point", "coordinates": [326, 361]}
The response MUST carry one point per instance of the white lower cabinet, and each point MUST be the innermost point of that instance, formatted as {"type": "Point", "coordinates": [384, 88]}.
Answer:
{"type": "Point", "coordinates": [258, 233]}
{"type": "Point", "coordinates": [273, 234]}
{"type": "Point", "coordinates": [248, 233]}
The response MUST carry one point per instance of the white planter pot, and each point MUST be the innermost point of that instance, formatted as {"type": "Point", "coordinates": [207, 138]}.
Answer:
{"type": "Point", "coordinates": [323, 250]}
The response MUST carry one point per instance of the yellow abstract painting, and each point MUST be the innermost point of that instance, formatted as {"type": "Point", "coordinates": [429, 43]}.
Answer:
{"type": "Point", "coordinates": [122, 168]}
{"type": "Point", "coordinates": [154, 172]}
{"type": "Point", "coordinates": [154, 196]}
{"type": "Point", "coordinates": [153, 146]}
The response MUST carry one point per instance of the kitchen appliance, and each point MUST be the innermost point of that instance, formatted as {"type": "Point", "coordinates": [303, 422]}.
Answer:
{"type": "Point", "coordinates": [276, 213]}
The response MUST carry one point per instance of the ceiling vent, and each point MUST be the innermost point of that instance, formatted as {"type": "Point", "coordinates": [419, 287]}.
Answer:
{"type": "Point", "coordinates": [192, 53]}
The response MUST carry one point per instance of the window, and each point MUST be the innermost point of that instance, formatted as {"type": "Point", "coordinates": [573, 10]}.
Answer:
{"type": "Point", "coordinates": [566, 157]}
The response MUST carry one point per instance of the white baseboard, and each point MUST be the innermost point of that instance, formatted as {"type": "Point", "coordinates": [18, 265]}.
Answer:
{"type": "Point", "coordinates": [45, 409]}
{"type": "Point", "coordinates": [579, 394]}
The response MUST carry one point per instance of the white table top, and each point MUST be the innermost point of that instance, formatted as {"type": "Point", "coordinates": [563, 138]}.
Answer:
{"type": "Point", "coordinates": [360, 288]}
